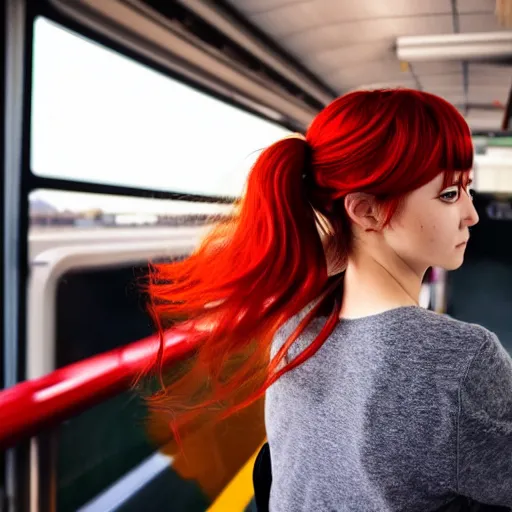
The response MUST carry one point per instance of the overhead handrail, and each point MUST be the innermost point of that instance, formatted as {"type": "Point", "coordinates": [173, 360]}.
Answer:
{"type": "Point", "coordinates": [33, 405]}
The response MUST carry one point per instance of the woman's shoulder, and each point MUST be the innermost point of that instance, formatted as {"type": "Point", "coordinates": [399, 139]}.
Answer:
{"type": "Point", "coordinates": [446, 334]}
{"type": "Point", "coordinates": [445, 324]}
{"type": "Point", "coordinates": [418, 321]}
{"type": "Point", "coordinates": [410, 317]}
{"type": "Point", "coordinates": [408, 326]}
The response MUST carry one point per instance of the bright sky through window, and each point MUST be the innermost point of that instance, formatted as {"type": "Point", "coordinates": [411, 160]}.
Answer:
{"type": "Point", "coordinates": [99, 116]}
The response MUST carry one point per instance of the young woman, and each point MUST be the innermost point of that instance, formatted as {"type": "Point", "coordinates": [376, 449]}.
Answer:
{"type": "Point", "coordinates": [310, 294]}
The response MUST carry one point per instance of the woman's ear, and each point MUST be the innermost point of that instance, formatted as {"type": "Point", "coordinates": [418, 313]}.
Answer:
{"type": "Point", "coordinates": [363, 210]}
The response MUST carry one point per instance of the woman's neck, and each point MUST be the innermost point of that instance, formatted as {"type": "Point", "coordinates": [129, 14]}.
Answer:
{"type": "Point", "coordinates": [373, 285]}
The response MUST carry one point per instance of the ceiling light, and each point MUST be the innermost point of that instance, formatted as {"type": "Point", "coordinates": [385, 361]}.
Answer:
{"type": "Point", "coordinates": [455, 46]}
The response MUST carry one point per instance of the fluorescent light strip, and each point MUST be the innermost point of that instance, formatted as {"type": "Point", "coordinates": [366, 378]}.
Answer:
{"type": "Point", "coordinates": [454, 46]}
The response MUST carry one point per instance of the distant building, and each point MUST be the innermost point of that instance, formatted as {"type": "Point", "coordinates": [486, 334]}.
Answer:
{"type": "Point", "coordinates": [45, 214]}
{"type": "Point", "coordinates": [136, 219]}
{"type": "Point", "coordinates": [40, 207]}
{"type": "Point", "coordinates": [42, 213]}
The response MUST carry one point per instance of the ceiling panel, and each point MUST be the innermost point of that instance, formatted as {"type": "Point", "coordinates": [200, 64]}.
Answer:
{"type": "Point", "coordinates": [457, 98]}
{"type": "Point", "coordinates": [479, 23]}
{"type": "Point", "coordinates": [351, 81]}
{"type": "Point", "coordinates": [383, 84]}
{"type": "Point", "coordinates": [331, 36]}
{"type": "Point", "coordinates": [351, 43]}
{"type": "Point", "coordinates": [351, 76]}
{"type": "Point", "coordinates": [364, 70]}
{"type": "Point", "coordinates": [440, 81]}
{"type": "Point", "coordinates": [354, 55]}
{"type": "Point", "coordinates": [437, 68]}
{"type": "Point", "coordinates": [476, 6]}
{"type": "Point", "coordinates": [254, 7]}
{"type": "Point", "coordinates": [485, 94]}
{"type": "Point", "coordinates": [456, 90]}
{"type": "Point", "coordinates": [484, 119]}
{"type": "Point", "coordinates": [490, 71]}
{"type": "Point", "coordinates": [489, 81]}
{"type": "Point", "coordinates": [286, 19]}
{"type": "Point", "coordinates": [453, 94]}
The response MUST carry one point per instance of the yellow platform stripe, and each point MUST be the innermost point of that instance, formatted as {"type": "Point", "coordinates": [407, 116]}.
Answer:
{"type": "Point", "coordinates": [238, 493]}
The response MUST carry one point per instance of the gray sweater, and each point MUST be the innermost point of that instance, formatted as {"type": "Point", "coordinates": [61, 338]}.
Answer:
{"type": "Point", "coordinates": [400, 411]}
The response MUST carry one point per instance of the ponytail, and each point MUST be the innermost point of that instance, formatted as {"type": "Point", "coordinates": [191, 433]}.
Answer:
{"type": "Point", "coordinates": [250, 275]}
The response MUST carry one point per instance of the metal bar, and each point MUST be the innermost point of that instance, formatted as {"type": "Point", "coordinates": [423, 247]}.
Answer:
{"type": "Point", "coordinates": [17, 42]}
{"type": "Point", "coordinates": [39, 182]}
{"type": "Point", "coordinates": [415, 78]}
{"type": "Point", "coordinates": [508, 111]}
{"type": "Point", "coordinates": [33, 405]}
{"type": "Point", "coordinates": [216, 14]}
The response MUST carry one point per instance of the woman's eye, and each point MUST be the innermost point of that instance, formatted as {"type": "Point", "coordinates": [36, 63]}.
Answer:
{"type": "Point", "coordinates": [471, 194]}
{"type": "Point", "coordinates": [450, 196]}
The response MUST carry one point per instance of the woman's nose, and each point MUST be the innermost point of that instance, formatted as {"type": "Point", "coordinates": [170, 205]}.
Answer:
{"type": "Point", "coordinates": [470, 214]}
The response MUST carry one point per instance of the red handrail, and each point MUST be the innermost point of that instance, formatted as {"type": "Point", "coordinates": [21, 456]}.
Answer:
{"type": "Point", "coordinates": [31, 406]}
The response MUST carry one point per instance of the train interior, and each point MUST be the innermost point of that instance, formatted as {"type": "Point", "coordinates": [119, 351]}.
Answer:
{"type": "Point", "coordinates": [129, 127]}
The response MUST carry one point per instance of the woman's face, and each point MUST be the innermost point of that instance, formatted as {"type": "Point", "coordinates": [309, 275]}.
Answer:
{"type": "Point", "coordinates": [432, 226]}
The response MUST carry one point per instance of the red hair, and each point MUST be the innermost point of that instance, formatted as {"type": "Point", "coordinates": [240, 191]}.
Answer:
{"type": "Point", "coordinates": [263, 266]}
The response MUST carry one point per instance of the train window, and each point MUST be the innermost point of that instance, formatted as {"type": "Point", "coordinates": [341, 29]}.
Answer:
{"type": "Point", "coordinates": [61, 218]}
{"type": "Point", "coordinates": [98, 116]}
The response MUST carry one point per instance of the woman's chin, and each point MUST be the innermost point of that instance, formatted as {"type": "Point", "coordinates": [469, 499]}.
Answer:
{"type": "Point", "coordinates": [454, 264]}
